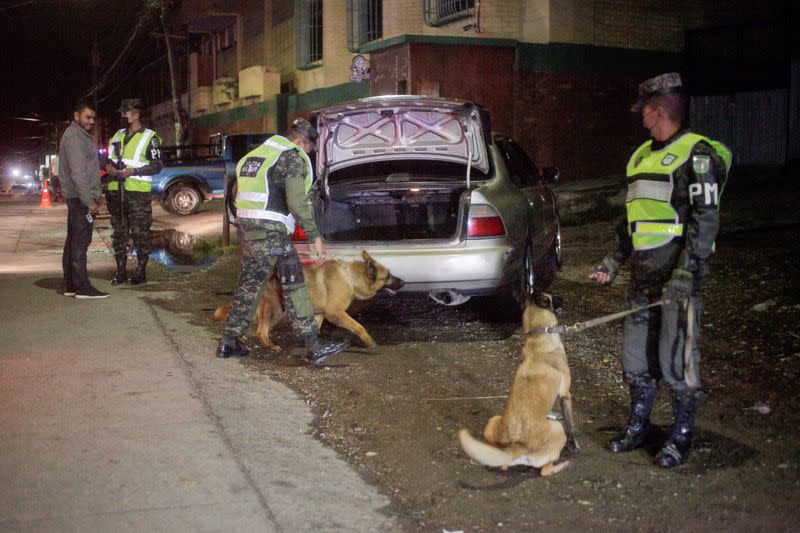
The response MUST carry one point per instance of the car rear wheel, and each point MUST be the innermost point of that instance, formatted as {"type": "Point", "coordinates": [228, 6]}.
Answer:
{"type": "Point", "coordinates": [183, 199]}
{"type": "Point", "coordinates": [547, 268]}
{"type": "Point", "coordinates": [230, 200]}
{"type": "Point", "coordinates": [550, 264]}
{"type": "Point", "coordinates": [527, 275]}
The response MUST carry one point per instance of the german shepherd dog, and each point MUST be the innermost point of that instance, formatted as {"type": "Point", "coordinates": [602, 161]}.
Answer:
{"type": "Point", "coordinates": [523, 434]}
{"type": "Point", "coordinates": [332, 287]}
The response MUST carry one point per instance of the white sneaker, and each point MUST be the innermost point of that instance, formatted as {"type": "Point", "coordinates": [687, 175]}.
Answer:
{"type": "Point", "coordinates": [91, 292]}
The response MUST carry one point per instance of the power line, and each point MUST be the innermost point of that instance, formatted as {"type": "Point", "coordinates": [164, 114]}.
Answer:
{"type": "Point", "coordinates": [118, 60]}
{"type": "Point", "coordinates": [123, 79]}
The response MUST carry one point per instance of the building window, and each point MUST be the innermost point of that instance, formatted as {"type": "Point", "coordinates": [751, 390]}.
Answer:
{"type": "Point", "coordinates": [364, 22]}
{"type": "Point", "coordinates": [441, 12]}
{"type": "Point", "coordinates": [207, 46]}
{"type": "Point", "coordinates": [214, 43]}
{"type": "Point", "coordinates": [227, 38]}
{"type": "Point", "coordinates": [308, 15]}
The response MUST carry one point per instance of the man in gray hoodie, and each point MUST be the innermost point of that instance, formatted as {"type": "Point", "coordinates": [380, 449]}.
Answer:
{"type": "Point", "coordinates": [79, 169]}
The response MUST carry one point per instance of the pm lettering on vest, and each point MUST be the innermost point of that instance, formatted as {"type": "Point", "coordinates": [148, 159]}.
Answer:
{"type": "Point", "coordinates": [709, 192]}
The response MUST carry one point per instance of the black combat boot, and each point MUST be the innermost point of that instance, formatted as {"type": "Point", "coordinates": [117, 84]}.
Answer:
{"type": "Point", "coordinates": [121, 276]}
{"type": "Point", "coordinates": [139, 275]}
{"type": "Point", "coordinates": [642, 399]}
{"type": "Point", "coordinates": [318, 350]}
{"type": "Point", "coordinates": [675, 449]}
{"type": "Point", "coordinates": [234, 348]}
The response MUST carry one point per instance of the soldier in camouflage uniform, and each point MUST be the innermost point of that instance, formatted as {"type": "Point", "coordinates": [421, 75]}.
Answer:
{"type": "Point", "coordinates": [273, 182]}
{"type": "Point", "coordinates": [134, 155]}
{"type": "Point", "coordinates": [675, 180]}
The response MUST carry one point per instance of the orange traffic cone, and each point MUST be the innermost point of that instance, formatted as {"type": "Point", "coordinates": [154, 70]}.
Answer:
{"type": "Point", "coordinates": [45, 196]}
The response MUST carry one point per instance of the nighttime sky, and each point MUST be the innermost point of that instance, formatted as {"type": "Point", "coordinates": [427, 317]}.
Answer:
{"type": "Point", "coordinates": [46, 48]}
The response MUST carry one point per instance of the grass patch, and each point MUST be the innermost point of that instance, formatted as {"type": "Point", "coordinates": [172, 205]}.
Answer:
{"type": "Point", "coordinates": [212, 247]}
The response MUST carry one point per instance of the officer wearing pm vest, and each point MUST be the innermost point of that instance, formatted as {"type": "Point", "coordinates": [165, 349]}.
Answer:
{"type": "Point", "coordinates": [675, 181]}
{"type": "Point", "coordinates": [273, 182]}
{"type": "Point", "coordinates": [134, 155]}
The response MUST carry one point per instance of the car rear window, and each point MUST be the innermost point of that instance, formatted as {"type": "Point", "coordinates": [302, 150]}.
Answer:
{"type": "Point", "coordinates": [405, 170]}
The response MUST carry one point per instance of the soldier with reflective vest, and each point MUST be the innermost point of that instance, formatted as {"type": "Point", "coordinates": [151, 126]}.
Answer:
{"type": "Point", "coordinates": [675, 181]}
{"type": "Point", "coordinates": [273, 183]}
{"type": "Point", "coordinates": [134, 155]}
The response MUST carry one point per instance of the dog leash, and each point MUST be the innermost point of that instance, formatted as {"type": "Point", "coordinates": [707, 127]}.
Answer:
{"type": "Point", "coordinates": [580, 326]}
{"type": "Point", "coordinates": [689, 364]}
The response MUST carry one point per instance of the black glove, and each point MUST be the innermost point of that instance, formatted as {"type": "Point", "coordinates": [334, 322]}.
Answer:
{"type": "Point", "coordinates": [679, 287]}
{"type": "Point", "coordinates": [608, 266]}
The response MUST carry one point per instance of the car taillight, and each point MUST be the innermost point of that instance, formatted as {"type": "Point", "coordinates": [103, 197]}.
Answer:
{"type": "Point", "coordinates": [299, 234]}
{"type": "Point", "coordinates": [484, 222]}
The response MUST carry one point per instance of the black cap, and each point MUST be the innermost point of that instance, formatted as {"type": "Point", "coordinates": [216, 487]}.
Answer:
{"type": "Point", "coordinates": [304, 128]}
{"type": "Point", "coordinates": [129, 104]}
{"type": "Point", "coordinates": [660, 85]}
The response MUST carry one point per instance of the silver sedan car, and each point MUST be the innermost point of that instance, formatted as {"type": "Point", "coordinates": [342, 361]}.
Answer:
{"type": "Point", "coordinates": [427, 188]}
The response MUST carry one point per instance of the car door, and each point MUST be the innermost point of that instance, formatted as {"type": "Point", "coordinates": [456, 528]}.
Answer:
{"type": "Point", "coordinates": [528, 183]}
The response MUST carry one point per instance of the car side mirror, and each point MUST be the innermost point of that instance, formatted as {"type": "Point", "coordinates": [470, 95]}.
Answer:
{"type": "Point", "coordinates": [550, 174]}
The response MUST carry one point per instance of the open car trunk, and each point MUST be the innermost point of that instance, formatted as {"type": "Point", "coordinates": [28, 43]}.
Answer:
{"type": "Point", "coordinates": [402, 213]}
{"type": "Point", "coordinates": [398, 168]}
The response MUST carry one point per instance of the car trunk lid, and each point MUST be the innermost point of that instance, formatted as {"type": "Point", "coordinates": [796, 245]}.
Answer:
{"type": "Point", "coordinates": [398, 127]}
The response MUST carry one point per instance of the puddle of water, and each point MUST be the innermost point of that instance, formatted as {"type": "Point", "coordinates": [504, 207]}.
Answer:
{"type": "Point", "coordinates": [173, 249]}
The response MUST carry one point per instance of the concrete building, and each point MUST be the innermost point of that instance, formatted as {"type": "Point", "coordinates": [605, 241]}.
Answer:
{"type": "Point", "coordinates": [558, 75]}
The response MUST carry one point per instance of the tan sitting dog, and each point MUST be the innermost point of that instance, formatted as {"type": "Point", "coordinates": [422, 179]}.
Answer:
{"type": "Point", "coordinates": [332, 287]}
{"type": "Point", "coordinates": [523, 434]}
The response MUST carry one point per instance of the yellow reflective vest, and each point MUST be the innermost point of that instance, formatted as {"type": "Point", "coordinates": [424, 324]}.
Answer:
{"type": "Point", "coordinates": [258, 195]}
{"type": "Point", "coordinates": [652, 220]}
{"type": "Point", "coordinates": [134, 155]}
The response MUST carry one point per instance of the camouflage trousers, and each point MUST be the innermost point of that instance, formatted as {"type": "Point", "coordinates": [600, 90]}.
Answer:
{"type": "Point", "coordinates": [265, 246]}
{"type": "Point", "coordinates": [138, 215]}
{"type": "Point", "coordinates": [655, 338]}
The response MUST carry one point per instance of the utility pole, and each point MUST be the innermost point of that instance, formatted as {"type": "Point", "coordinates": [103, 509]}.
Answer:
{"type": "Point", "coordinates": [176, 104]}
{"type": "Point", "coordinates": [178, 121]}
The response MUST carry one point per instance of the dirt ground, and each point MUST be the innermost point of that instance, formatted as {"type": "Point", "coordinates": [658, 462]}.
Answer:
{"type": "Point", "coordinates": [393, 411]}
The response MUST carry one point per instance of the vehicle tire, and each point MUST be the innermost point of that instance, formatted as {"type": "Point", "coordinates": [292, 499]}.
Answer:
{"type": "Point", "coordinates": [547, 269]}
{"type": "Point", "coordinates": [230, 200]}
{"type": "Point", "coordinates": [184, 199]}
{"type": "Point", "coordinates": [527, 276]}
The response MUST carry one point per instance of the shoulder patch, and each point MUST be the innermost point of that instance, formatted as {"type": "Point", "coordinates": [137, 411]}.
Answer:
{"type": "Point", "coordinates": [155, 141]}
{"type": "Point", "coordinates": [701, 163]}
{"type": "Point", "coordinates": [669, 159]}
{"type": "Point", "coordinates": [251, 166]}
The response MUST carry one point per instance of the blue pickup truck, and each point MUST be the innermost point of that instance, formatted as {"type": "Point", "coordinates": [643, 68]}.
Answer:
{"type": "Point", "coordinates": [195, 174]}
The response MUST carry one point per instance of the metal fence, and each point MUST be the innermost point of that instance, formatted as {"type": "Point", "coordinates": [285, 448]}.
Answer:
{"type": "Point", "coordinates": [753, 124]}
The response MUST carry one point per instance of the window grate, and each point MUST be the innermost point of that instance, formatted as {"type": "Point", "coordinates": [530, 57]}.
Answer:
{"type": "Point", "coordinates": [364, 22]}
{"type": "Point", "coordinates": [308, 15]}
{"type": "Point", "coordinates": [441, 12]}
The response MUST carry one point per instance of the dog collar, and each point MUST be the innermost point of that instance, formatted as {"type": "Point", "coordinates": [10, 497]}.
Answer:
{"type": "Point", "coordinates": [548, 330]}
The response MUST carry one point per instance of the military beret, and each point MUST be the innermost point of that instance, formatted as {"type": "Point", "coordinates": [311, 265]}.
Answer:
{"type": "Point", "coordinates": [129, 104]}
{"type": "Point", "coordinates": [660, 85]}
{"type": "Point", "coordinates": [304, 128]}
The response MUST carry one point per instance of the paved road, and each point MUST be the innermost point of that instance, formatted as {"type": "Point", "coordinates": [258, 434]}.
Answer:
{"type": "Point", "coordinates": [114, 415]}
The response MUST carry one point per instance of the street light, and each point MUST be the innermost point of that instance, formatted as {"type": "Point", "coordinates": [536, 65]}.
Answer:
{"type": "Point", "coordinates": [15, 172]}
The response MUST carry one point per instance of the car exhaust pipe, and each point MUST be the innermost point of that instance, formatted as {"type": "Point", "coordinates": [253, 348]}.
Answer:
{"type": "Point", "coordinates": [448, 297]}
